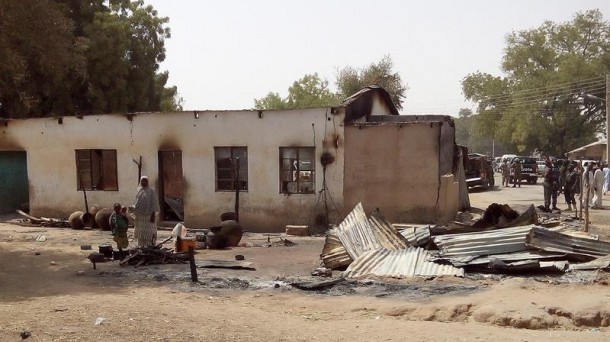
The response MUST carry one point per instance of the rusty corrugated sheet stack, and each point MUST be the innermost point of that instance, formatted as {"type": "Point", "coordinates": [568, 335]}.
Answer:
{"type": "Point", "coordinates": [377, 249]}
{"type": "Point", "coordinates": [374, 247]}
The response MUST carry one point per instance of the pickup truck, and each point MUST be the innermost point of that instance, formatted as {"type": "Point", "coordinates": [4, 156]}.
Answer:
{"type": "Point", "coordinates": [529, 169]}
{"type": "Point", "coordinates": [479, 171]}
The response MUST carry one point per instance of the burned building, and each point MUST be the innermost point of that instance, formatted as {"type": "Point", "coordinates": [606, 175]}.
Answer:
{"type": "Point", "coordinates": [295, 166]}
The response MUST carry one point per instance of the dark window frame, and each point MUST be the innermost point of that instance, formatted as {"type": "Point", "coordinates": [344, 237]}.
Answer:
{"type": "Point", "coordinates": [99, 170]}
{"type": "Point", "coordinates": [242, 169]}
{"type": "Point", "coordinates": [295, 170]}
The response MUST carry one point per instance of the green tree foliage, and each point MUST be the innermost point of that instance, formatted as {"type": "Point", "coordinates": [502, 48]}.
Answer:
{"type": "Point", "coordinates": [309, 91]}
{"type": "Point", "coordinates": [312, 91]}
{"type": "Point", "coordinates": [463, 126]}
{"type": "Point", "coordinates": [469, 133]}
{"type": "Point", "coordinates": [546, 100]}
{"type": "Point", "coordinates": [87, 56]}
{"type": "Point", "coordinates": [37, 58]}
{"type": "Point", "coordinates": [350, 80]}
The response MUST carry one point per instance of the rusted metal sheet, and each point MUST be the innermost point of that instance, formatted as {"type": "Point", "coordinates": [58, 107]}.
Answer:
{"type": "Point", "coordinates": [404, 263]}
{"type": "Point", "coordinates": [358, 234]}
{"type": "Point", "coordinates": [416, 235]}
{"type": "Point", "coordinates": [508, 257]}
{"type": "Point", "coordinates": [498, 241]}
{"type": "Point", "coordinates": [552, 241]}
{"type": "Point", "coordinates": [597, 264]}
{"type": "Point", "coordinates": [334, 255]}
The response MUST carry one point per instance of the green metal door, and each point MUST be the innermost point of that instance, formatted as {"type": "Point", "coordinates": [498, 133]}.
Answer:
{"type": "Point", "coordinates": [13, 180]}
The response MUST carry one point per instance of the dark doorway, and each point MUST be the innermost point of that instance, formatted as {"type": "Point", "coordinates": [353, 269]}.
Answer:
{"type": "Point", "coordinates": [171, 186]}
{"type": "Point", "coordinates": [14, 192]}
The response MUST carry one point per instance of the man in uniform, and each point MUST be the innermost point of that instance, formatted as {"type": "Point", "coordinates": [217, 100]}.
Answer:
{"type": "Point", "coordinates": [548, 185]}
{"type": "Point", "coordinates": [571, 187]}
{"type": "Point", "coordinates": [505, 173]}
{"type": "Point", "coordinates": [555, 188]}
{"type": "Point", "coordinates": [516, 166]}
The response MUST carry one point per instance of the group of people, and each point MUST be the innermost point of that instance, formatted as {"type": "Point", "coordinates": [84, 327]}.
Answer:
{"type": "Point", "coordinates": [599, 180]}
{"type": "Point", "coordinates": [144, 209]}
{"type": "Point", "coordinates": [570, 178]}
{"type": "Point", "coordinates": [511, 170]}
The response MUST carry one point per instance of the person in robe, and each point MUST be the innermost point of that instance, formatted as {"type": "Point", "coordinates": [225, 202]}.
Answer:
{"type": "Point", "coordinates": [144, 208]}
{"type": "Point", "coordinates": [597, 185]}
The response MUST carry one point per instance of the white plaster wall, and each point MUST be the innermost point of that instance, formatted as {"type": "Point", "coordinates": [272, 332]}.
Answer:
{"type": "Point", "coordinates": [52, 169]}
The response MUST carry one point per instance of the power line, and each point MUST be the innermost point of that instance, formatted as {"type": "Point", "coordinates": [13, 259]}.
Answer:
{"type": "Point", "coordinates": [541, 98]}
{"type": "Point", "coordinates": [593, 80]}
{"type": "Point", "coordinates": [519, 98]}
{"type": "Point", "coordinates": [529, 94]}
{"type": "Point", "coordinates": [535, 93]}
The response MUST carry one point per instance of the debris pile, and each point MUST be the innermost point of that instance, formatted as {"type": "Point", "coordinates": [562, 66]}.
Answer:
{"type": "Point", "coordinates": [375, 247]}
{"type": "Point", "coordinates": [45, 221]}
{"type": "Point", "coordinates": [154, 255]}
{"type": "Point", "coordinates": [501, 240]}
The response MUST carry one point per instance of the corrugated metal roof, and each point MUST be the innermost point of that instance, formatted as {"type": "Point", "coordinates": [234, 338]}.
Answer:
{"type": "Point", "coordinates": [557, 242]}
{"type": "Point", "coordinates": [416, 235]}
{"type": "Point", "coordinates": [599, 263]}
{"type": "Point", "coordinates": [509, 257]}
{"type": "Point", "coordinates": [358, 234]}
{"type": "Point", "coordinates": [402, 263]}
{"type": "Point", "coordinates": [497, 241]}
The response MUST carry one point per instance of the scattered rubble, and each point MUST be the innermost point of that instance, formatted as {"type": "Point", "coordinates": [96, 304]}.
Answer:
{"type": "Point", "coordinates": [153, 256]}
{"type": "Point", "coordinates": [44, 221]}
{"type": "Point", "coordinates": [500, 241]}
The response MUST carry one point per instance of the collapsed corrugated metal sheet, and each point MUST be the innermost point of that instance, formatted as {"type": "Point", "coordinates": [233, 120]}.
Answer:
{"type": "Point", "coordinates": [471, 260]}
{"type": "Point", "coordinates": [560, 266]}
{"type": "Point", "coordinates": [403, 263]}
{"type": "Point", "coordinates": [597, 264]}
{"type": "Point", "coordinates": [334, 255]}
{"type": "Point", "coordinates": [359, 234]}
{"type": "Point", "coordinates": [498, 241]}
{"type": "Point", "coordinates": [575, 246]}
{"type": "Point", "coordinates": [415, 235]}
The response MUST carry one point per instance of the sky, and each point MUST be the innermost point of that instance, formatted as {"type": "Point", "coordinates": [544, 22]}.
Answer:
{"type": "Point", "coordinates": [224, 54]}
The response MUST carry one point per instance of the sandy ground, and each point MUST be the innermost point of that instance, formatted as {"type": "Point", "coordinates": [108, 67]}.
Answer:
{"type": "Point", "coordinates": [61, 302]}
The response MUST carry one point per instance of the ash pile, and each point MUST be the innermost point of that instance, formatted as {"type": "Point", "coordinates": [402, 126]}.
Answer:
{"type": "Point", "coordinates": [500, 241]}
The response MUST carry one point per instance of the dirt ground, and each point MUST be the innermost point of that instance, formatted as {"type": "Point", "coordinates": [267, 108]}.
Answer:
{"type": "Point", "coordinates": [51, 290]}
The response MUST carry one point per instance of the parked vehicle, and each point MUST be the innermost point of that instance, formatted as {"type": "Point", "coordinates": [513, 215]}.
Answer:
{"type": "Point", "coordinates": [479, 171]}
{"type": "Point", "coordinates": [508, 157]}
{"type": "Point", "coordinates": [497, 162]}
{"type": "Point", "coordinates": [541, 167]}
{"type": "Point", "coordinates": [529, 169]}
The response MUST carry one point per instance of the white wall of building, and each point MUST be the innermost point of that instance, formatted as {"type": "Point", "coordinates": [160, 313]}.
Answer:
{"type": "Point", "coordinates": [52, 168]}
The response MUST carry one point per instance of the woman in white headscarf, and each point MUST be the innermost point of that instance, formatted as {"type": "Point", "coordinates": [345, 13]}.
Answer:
{"type": "Point", "coordinates": [144, 208]}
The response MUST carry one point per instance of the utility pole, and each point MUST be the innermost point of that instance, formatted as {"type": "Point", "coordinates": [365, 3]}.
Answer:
{"type": "Point", "coordinates": [608, 118]}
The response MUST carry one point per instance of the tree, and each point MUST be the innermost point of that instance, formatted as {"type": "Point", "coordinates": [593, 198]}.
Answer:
{"type": "Point", "coordinates": [67, 57]}
{"type": "Point", "coordinates": [309, 91]}
{"type": "Point", "coordinates": [313, 91]}
{"type": "Point", "coordinates": [468, 133]}
{"type": "Point", "coordinates": [37, 58]}
{"type": "Point", "coordinates": [547, 99]}
{"type": "Point", "coordinates": [350, 80]}
{"type": "Point", "coordinates": [463, 126]}
{"type": "Point", "coordinates": [124, 42]}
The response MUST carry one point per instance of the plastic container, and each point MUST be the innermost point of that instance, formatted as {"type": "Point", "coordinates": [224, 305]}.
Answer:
{"type": "Point", "coordinates": [182, 245]}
